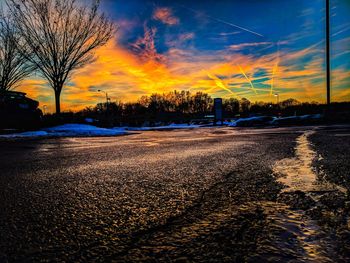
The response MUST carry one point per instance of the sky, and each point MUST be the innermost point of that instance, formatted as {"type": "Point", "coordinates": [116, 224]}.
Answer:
{"type": "Point", "coordinates": [227, 48]}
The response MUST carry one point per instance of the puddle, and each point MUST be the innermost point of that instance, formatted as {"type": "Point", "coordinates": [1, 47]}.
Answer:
{"type": "Point", "coordinates": [275, 234]}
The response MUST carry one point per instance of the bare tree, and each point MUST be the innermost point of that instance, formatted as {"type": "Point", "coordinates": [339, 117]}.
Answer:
{"type": "Point", "coordinates": [62, 36]}
{"type": "Point", "coordinates": [14, 66]}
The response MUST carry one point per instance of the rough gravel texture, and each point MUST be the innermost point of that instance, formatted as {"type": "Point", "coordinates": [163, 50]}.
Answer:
{"type": "Point", "coordinates": [333, 145]}
{"type": "Point", "coordinates": [333, 165]}
{"type": "Point", "coordinates": [191, 195]}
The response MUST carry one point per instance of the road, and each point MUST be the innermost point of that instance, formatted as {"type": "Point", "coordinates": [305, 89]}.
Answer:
{"type": "Point", "coordinates": [209, 194]}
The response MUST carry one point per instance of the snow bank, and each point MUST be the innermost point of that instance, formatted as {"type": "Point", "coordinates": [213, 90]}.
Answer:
{"type": "Point", "coordinates": [252, 121]}
{"type": "Point", "coordinates": [297, 120]}
{"type": "Point", "coordinates": [69, 130]}
{"type": "Point", "coordinates": [25, 134]}
{"type": "Point", "coordinates": [267, 120]}
{"type": "Point", "coordinates": [79, 130]}
{"type": "Point", "coordinates": [82, 130]}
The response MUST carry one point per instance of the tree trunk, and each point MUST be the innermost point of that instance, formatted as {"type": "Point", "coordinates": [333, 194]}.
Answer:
{"type": "Point", "coordinates": [57, 101]}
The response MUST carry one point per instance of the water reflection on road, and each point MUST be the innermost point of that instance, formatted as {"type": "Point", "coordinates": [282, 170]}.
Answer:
{"type": "Point", "coordinates": [192, 195]}
{"type": "Point", "coordinates": [301, 180]}
{"type": "Point", "coordinates": [298, 173]}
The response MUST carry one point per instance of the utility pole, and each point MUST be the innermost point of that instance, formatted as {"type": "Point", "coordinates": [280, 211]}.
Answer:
{"type": "Point", "coordinates": [107, 100]}
{"type": "Point", "coordinates": [328, 59]}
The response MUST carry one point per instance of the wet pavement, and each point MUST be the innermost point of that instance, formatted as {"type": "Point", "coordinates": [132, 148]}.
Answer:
{"type": "Point", "coordinates": [201, 195]}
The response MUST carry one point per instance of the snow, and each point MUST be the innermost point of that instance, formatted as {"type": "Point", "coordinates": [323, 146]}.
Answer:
{"type": "Point", "coordinates": [82, 130]}
{"type": "Point", "coordinates": [312, 117]}
{"type": "Point", "coordinates": [69, 130]}
{"type": "Point", "coordinates": [25, 134]}
{"type": "Point", "coordinates": [251, 121]}
{"type": "Point", "coordinates": [266, 120]}
{"type": "Point", "coordinates": [89, 120]}
{"type": "Point", "coordinates": [79, 130]}
{"type": "Point", "coordinates": [304, 119]}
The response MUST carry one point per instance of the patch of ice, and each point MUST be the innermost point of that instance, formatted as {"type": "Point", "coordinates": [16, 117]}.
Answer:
{"type": "Point", "coordinates": [297, 173]}
{"type": "Point", "coordinates": [25, 134]}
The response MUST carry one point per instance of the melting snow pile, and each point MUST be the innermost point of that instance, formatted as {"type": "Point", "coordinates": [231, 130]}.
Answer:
{"type": "Point", "coordinates": [82, 130]}
{"type": "Point", "coordinates": [267, 120]}
{"type": "Point", "coordinates": [297, 120]}
{"type": "Point", "coordinates": [69, 130]}
{"type": "Point", "coordinates": [252, 121]}
{"type": "Point", "coordinates": [79, 130]}
{"type": "Point", "coordinates": [25, 134]}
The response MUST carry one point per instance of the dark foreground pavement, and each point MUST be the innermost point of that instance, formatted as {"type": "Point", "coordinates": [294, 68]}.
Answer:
{"type": "Point", "coordinates": [203, 195]}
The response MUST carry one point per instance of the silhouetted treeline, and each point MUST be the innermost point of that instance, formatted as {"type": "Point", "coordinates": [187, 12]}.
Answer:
{"type": "Point", "coordinates": [184, 106]}
{"type": "Point", "coordinates": [177, 106]}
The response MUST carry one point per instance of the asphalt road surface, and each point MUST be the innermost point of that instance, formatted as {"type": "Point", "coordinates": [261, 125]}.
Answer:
{"type": "Point", "coordinates": [201, 195]}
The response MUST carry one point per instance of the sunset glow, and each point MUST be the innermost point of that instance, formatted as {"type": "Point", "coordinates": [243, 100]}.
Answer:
{"type": "Point", "coordinates": [161, 46]}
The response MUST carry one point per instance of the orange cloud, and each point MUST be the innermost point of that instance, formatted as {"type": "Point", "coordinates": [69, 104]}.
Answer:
{"type": "Point", "coordinates": [165, 15]}
{"type": "Point", "coordinates": [145, 46]}
{"type": "Point", "coordinates": [126, 74]}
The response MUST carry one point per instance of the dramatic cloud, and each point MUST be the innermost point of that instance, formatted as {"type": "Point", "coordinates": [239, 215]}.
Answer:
{"type": "Point", "coordinates": [165, 15]}
{"type": "Point", "coordinates": [126, 75]}
{"type": "Point", "coordinates": [145, 46]}
{"type": "Point", "coordinates": [148, 57]}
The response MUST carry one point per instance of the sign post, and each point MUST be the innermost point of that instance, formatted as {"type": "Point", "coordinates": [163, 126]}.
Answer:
{"type": "Point", "coordinates": [328, 59]}
{"type": "Point", "coordinates": [218, 111]}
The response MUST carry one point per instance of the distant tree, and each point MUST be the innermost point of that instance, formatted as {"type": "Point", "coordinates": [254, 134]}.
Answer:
{"type": "Point", "coordinates": [185, 101]}
{"type": "Point", "coordinates": [156, 103]}
{"type": "Point", "coordinates": [144, 101]}
{"type": "Point", "coordinates": [14, 66]}
{"type": "Point", "coordinates": [244, 105]}
{"type": "Point", "coordinates": [116, 108]}
{"type": "Point", "coordinates": [201, 102]}
{"type": "Point", "coordinates": [61, 36]}
{"type": "Point", "coordinates": [231, 106]}
{"type": "Point", "coordinates": [289, 102]}
{"type": "Point", "coordinates": [259, 107]}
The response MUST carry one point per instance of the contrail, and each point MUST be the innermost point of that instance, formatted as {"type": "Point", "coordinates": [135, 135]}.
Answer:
{"type": "Point", "coordinates": [233, 25]}
{"type": "Point", "coordinates": [251, 83]}
{"type": "Point", "coordinates": [275, 68]}
{"type": "Point", "coordinates": [341, 31]}
{"type": "Point", "coordinates": [220, 83]}
{"type": "Point", "coordinates": [222, 21]}
{"type": "Point", "coordinates": [260, 89]}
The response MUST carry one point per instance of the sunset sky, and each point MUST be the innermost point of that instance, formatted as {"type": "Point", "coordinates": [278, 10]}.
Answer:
{"type": "Point", "coordinates": [227, 48]}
